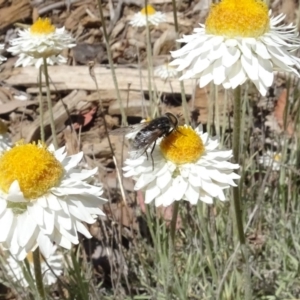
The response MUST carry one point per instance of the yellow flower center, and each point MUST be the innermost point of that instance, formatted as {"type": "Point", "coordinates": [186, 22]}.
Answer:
{"type": "Point", "coordinates": [34, 167]}
{"type": "Point", "coordinates": [182, 146]}
{"type": "Point", "coordinates": [42, 26]}
{"type": "Point", "coordinates": [238, 18]}
{"type": "Point", "coordinates": [150, 10]}
{"type": "Point", "coordinates": [277, 157]}
{"type": "Point", "coordinates": [3, 127]}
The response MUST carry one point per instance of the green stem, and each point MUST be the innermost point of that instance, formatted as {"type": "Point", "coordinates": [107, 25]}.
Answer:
{"type": "Point", "coordinates": [171, 260]}
{"type": "Point", "coordinates": [183, 98]}
{"type": "Point", "coordinates": [282, 176]}
{"type": "Point", "coordinates": [236, 155]}
{"type": "Point", "coordinates": [200, 208]}
{"type": "Point", "coordinates": [52, 123]}
{"type": "Point", "coordinates": [236, 193]}
{"type": "Point", "coordinates": [111, 64]}
{"type": "Point", "coordinates": [38, 273]}
{"type": "Point", "coordinates": [174, 221]}
{"type": "Point", "coordinates": [42, 129]}
{"type": "Point", "coordinates": [150, 64]}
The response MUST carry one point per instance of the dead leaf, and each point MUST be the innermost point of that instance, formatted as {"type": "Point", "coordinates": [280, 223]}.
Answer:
{"type": "Point", "coordinates": [14, 104]}
{"type": "Point", "coordinates": [71, 141]}
{"type": "Point", "coordinates": [117, 30]}
{"type": "Point", "coordinates": [87, 118]}
{"type": "Point", "coordinates": [19, 11]}
{"type": "Point", "coordinates": [165, 42]}
{"type": "Point", "coordinates": [124, 215]}
{"type": "Point", "coordinates": [279, 113]}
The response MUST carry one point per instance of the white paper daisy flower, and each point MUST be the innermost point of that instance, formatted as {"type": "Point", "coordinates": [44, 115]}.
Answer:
{"type": "Point", "coordinates": [5, 140]}
{"type": "Point", "coordinates": [41, 40]}
{"type": "Point", "coordinates": [154, 17]}
{"type": "Point", "coordinates": [44, 199]}
{"type": "Point", "coordinates": [187, 166]}
{"type": "Point", "coordinates": [18, 272]}
{"type": "Point", "coordinates": [239, 41]}
{"type": "Point", "coordinates": [273, 159]}
{"type": "Point", "coordinates": [2, 58]}
{"type": "Point", "coordinates": [166, 71]}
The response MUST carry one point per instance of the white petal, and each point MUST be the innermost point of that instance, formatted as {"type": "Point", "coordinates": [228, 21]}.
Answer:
{"type": "Point", "coordinates": [37, 213]}
{"type": "Point", "coordinates": [14, 193]}
{"type": "Point", "coordinates": [231, 56]}
{"type": "Point", "coordinates": [246, 50]}
{"type": "Point", "coordinates": [152, 192]}
{"type": "Point", "coordinates": [61, 241]}
{"type": "Point", "coordinates": [53, 203]}
{"type": "Point", "coordinates": [166, 198]}
{"type": "Point", "coordinates": [48, 221]}
{"type": "Point", "coordinates": [72, 161]}
{"type": "Point", "coordinates": [250, 67]}
{"type": "Point", "coordinates": [192, 194]}
{"type": "Point", "coordinates": [83, 230]}
{"type": "Point", "coordinates": [231, 43]}
{"type": "Point", "coordinates": [262, 51]}
{"type": "Point", "coordinates": [221, 195]}
{"type": "Point", "coordinates": [3, 205]}
{"type": "Point", "coordinates": [218, 72]}
{"type": "Point", "coordinates": [143, 180]}
{"type": "Point", "coordinates": [206, 198]}
{"type": "Point", "coordinates": [27, 228]}
{"type": "Point", "coordinates": [261, 87]}
{"type": "Point", "coordinates": [6, 220]}
{"type": "Point", "coordinates": [217, 52]}
{"type": "Point", "coordinates": [179, 187]}
{"type": "Point", "coordinates": [70, 234]}
{"type": "Point", "coordinates": [79, 212]}
{"type": "Point", "coordinates": [206, 77]}
{"type": "Point", "coordinates": [45, 245]}
{"type": "Point", "coordinates": [236, 76]}
{"type": "Point", "coordinates": [163, 180]}
{"type": "Point", "coordinates": [265, 72]}
{"type": "Point", "coordinates": [43, 202]}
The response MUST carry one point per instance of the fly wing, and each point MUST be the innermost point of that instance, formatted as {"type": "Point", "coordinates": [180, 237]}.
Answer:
{"type": "Point", "coordinates": [128, 129]}
{"type": "Point", "coordinates": [141, 143]}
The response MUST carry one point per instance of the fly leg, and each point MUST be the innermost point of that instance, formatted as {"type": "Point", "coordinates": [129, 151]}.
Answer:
{"type": "Point", "coordinates": [154, 144]}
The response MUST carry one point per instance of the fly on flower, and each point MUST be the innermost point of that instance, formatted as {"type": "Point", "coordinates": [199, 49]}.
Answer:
{"type": "Point", "coordinates": [147, 133]}
{"type": "Point", "coordinates": [188, 166]}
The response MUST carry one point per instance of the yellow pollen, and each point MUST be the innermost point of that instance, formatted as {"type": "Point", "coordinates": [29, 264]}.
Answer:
{"type": "Point", "coordinates": [42, 26]}
{"type": "Point", "coordinates": [34, 167]}
{"type": "Point", "coordinates": [182, 146]}
{"type": "Point", "coordinates": [238, 18]}
{"type": "Point", "coordinates": [150, 10]}
{"type": "Point", "coordinates": [3, 127]}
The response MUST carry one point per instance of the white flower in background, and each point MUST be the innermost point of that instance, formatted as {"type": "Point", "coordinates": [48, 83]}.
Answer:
{"type": "Point", "coordinates": [41, 40]}
{"type": "Point", "coordinates": [44, 198]}
{"type": "Point", "coordinates": [154, 17]}
{"type": "Point", "coordinates": [273, 159]}
{"type": "Point", "coordinates": [2, 58]}
{"type": "Point", "coordinates": [239, 41]}
{"type": "Point", "coordinates": [5, 140]}
{"type": "Point", "coordinates": [17, 269]}
{"type": "Point", "coordinates": [187, 166]}
{"type": "Point", "coordinates": [165, 71]}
